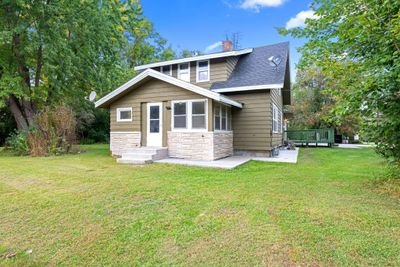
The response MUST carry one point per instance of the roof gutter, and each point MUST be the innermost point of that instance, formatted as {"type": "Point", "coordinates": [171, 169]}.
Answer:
{"type": "Point", "coordinates": [249, 88]}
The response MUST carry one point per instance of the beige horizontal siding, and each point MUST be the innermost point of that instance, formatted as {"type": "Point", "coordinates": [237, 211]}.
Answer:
{"type": "Point", "coordinates": [231, 64]}
{"type": "Point", "coordinates": [218, 72]}
{"type": "Point", "coordinates": [151, 91]}
{"type": "Point", "coordinates": [252, 123]}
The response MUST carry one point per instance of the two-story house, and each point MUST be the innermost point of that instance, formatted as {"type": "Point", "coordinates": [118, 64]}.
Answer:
{"type": "Point", "coordinates": [204, 107]}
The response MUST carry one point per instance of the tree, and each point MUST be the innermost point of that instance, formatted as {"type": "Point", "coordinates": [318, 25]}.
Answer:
{"type": "Point", "coordinates": [189, 53]}
{"type": "Point", "coordinates": [51, 51]}
{"type": "Point", "coordinates": [357, 44]}
{"type": "Point", "coordinates": [313, 104]}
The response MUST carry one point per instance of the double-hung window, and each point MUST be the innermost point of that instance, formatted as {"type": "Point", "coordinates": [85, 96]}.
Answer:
{"type": "Point", "coordinates": [198, 114]}
{"type": "Point", "coordinates": [167, 70]}
{"type": "Point", "coordinates": [124, 114]}
{"type": "Point", "coordinates": [275, 119]}
{"type": "Point", "coordinates": [189, 115]}
{"type": "Point", "coordinates": [184, 72]}
{"type": "Point", "coordinates": [180, 115]}
{"type": "Point", "coordinates": [203, 71]}
{"type": "Point", "coordinates": [222, 117]}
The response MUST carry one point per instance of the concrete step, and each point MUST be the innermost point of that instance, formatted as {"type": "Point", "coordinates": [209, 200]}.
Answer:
{"type": "Point", "coordinates": [142, 155]}
{"type": "Point", "coordinates": [147, 150]}
{"type": "Point", "coordinates": [133, 161]}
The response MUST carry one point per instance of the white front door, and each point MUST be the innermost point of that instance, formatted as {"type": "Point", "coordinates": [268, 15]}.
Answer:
{"type": "Point", "coordinates": [154, 124]}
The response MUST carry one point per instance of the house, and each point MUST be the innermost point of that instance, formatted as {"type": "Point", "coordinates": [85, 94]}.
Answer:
{"type": "Point", "coordinates": [204, 107]}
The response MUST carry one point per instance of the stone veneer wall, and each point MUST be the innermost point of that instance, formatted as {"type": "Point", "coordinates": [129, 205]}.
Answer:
{"type": "Point", "coordinates": [223, 144]}
{"type": "Point", "coordinates": [121, 142]}
{"type": "Point", "coordinates": [200, 145]}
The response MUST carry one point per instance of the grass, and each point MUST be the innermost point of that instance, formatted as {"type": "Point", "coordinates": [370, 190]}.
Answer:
{"type": "Point", "coordinates": [87, 210]}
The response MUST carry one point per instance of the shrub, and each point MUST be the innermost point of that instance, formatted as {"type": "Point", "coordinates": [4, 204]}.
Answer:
{"type": "Point", "coordinates": [18, 142]}
{"type": "Point", "coordinates": [54, 132]}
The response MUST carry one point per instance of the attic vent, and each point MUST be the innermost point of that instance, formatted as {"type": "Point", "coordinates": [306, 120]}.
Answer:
{"type": "Point", "coordinates": [274, 61]}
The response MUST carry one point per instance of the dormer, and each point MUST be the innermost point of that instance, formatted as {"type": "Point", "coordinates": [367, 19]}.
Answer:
{"type": "Point", "coordinates": [203, 70]}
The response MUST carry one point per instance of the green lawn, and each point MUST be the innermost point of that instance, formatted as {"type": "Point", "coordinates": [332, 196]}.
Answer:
{"type": "Point", "coordinates": [87, 210]}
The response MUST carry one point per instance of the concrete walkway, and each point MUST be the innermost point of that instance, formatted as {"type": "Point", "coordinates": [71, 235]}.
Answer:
{"type": "Point", "coordinates": [353, 146]}
{"type": "Point", "coordinates": [286, 156]}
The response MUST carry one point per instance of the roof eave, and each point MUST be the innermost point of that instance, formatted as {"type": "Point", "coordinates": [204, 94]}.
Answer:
{"type": "Point", "coordinates": [196, 58]}
{"type": "Point", "coordinates": [249, 88]}
{"type": "Point", "coordinates": [166, 78]}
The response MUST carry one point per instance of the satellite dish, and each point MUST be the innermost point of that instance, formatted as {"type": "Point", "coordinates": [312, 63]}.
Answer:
{"type": "Point", "coordinates": [92, 96]}
{"type": "Point", "coordinates": [274, 61]}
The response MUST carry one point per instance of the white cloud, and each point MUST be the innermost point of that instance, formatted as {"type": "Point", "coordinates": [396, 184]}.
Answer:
{"type": "Point", "coordinates": [257, 4]}
{"type": "Point", "coordinates": [300, 18]}
{"type": "Point", "coordinates": [213, 46]}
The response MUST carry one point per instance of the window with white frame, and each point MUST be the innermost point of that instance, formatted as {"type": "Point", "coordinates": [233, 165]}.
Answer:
{"type": "Point", "coordinates": [167, 70]}
{"type": "Point", "coordinates": [184, 72]}
{"type": "Point", "coordinates": [189, 115]}
{"type": "Point", "coordinates": [198, 115]}
{"type": "Point", "coordinates": [281, 122]}
{"type": "Point", "coordinates": [203, 71]}
{"type": "Point", "coordinates": [124, 114]}
{"type": "Point", "coordinates": [275, 119]}
{"type": "Point", "coordinates": [180, 115]}
{"type": "Point", "coordinates": [222, 117]}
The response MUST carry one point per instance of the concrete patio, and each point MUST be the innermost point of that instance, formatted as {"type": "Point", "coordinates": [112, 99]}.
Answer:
{"type": "Point", "coordinates": [285, 156]}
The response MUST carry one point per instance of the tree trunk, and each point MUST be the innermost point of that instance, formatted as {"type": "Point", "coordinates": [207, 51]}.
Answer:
{"type": "Point", "coordinates": [22, 123]}
{"type": "Point", "coordinates": [25, 108]}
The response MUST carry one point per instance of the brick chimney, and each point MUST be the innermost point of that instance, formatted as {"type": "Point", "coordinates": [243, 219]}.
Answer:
{"type": "Point", "coordinates": [227, 46]}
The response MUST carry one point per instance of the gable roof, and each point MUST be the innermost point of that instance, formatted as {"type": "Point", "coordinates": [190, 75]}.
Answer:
{"type": "Point", "coordinates": [195, 58]}
{"type": "Point", "coordinates": [253, 71]}
{"type": "Point", "coordinates": [166, 78]}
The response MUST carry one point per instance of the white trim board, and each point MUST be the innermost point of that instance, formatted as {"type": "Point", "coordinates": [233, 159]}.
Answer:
{"type": "Point", "coordinates": [195, 58]}
{"type": "Point", "coordinates": [158, 75]}
{"type": "Point", "coordinates": [249, 88]}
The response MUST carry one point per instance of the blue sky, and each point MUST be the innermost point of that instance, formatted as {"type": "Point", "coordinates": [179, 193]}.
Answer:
{"type": "Point", "coordinates": [197, 24]}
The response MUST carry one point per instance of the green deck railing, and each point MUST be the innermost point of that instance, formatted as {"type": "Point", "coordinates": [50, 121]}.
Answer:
{"type": "Point", "coordinates": [314, 136]}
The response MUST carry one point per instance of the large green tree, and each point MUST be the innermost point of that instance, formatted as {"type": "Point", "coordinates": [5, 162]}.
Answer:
{"type": "Point", "coordinates": [58, 51]}
{"type": "Point", "coordinates": [313, 104]}
{"type": "Point", "coordinates": [357, 44]}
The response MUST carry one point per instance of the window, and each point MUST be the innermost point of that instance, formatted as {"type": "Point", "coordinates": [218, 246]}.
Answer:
{"type": "Point", "coordinates": [198, 115]}
{"type": "Point", "coordinates": [124, 114]}
{"type": "Point", "coordinates": [184, 72]}
{"type": "Point", "coordinates": [189, 115]}
{"type": "Point", "coordinates": [167, 70]}
{"type": "Point", "coordinates": [275, 120]}
{"type": "Point", "coordinates": [222, 117]}
{"type": "Point", "coordinates": [281, 122]}
{"type": "Point", "coordinates": [217, 116]}
{"type": "Point", "coordinates": [179, 111]}
{"type": "Point", "coordinates": [154, 119]}
{"type": "Point", "coordinates": [203, 71]}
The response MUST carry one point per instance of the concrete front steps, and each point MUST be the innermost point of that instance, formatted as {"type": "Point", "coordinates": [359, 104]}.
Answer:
{"type": "Point", "coordinates": [143, 155]}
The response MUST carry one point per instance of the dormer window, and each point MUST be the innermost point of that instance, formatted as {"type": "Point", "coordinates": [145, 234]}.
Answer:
{"type": "Point", "coordinates": [184, 72]}
{"type": "Point", "coordinates": [167, 70]}
{"type": "Point", "coordinates": [203, 71]}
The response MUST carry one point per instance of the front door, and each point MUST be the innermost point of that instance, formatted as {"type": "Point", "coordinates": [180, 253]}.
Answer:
{"type": "Point", "coordinates": [154, 124]}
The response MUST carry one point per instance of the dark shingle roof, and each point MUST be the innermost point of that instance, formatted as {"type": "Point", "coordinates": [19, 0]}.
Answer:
{"type": "Point", "coordinates": [255, 69]}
